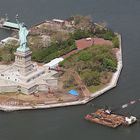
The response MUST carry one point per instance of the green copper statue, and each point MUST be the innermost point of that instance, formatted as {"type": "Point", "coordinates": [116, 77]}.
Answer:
{"type": "Point", "coordinates": [23, 32]}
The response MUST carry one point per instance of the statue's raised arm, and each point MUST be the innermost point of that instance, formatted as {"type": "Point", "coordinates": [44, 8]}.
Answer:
{"type": "Point", "coordinates": [23, 33]}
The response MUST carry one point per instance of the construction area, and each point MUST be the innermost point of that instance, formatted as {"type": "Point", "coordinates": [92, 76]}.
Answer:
{"type": "Point", "coordinates": [49, 96]}
{"type": "Point", "coordinates": [15, 99]}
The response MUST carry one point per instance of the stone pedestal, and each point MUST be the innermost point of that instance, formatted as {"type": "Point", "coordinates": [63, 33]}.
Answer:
{"type": "Point", "coordinates": [23, 75]}
{"type": "Point", "coordinates": [23, 62]}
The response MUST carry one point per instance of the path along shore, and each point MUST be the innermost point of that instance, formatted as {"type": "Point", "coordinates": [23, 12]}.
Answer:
{"type": "Point", "coordinates": [112, 84]}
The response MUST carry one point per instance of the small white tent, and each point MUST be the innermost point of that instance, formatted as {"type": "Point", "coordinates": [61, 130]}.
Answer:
{"type": "Point", "coordinates": [54, 63]}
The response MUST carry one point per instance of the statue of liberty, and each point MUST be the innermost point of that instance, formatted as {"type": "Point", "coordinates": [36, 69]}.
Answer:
{"type": "Point", "coordinates": [23, 33]}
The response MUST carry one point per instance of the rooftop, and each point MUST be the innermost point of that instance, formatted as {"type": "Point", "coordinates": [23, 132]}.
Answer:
{"type": "Point", "coordinates": [54, 62]}
{"type": "Point", "coordinates": [58, 20]}
{"type": "Point", "coordinates": [11, 25]}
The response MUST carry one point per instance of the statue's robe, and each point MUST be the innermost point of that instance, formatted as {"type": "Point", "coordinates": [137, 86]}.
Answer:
{"type": "Point", "coordinates": [23, 32]}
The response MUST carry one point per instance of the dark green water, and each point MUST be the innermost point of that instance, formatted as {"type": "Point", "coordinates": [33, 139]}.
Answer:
{"type": "Point", "coordinates": [68, 123]}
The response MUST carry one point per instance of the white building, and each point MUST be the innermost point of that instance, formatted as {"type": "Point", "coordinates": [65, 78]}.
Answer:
{"type": "Point", "coordinates": [54, 63]}
{"type": "Point", "coordinates": [59, 21]}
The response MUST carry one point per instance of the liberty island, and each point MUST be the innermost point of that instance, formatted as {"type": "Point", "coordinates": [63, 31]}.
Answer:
{"type": "Point", "coordinates": [40, 84]}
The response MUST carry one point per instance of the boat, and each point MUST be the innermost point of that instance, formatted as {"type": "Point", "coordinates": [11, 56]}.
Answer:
{"type": "Point", "coordinates": [107, 118]}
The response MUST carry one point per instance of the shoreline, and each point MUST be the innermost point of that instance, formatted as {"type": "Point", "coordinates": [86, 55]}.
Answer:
{"type": "Point", "coordinates": [112, 84]}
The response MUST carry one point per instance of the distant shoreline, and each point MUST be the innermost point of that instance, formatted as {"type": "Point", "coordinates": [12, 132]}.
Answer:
{"type": "Point", "coordinates": [112, 84]}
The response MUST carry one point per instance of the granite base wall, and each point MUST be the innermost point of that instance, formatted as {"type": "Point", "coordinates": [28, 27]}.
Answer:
{"type": "Point", "coordinates": [23, 89]}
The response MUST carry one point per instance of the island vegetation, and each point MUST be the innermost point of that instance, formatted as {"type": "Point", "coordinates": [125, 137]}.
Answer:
{"type": "Point", "coordinates": [95, 65]}
{"type": "Point", "coordinates": [48, 42]}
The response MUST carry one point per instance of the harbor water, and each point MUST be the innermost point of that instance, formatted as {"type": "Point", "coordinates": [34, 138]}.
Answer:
{"type": "Point", "coordinates": [68, 123]}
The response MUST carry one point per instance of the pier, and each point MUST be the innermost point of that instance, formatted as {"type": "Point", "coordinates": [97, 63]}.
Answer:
{"type": "Point", "coordinates": [5, 24]}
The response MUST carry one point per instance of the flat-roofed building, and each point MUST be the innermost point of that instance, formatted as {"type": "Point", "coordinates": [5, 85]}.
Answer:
{"type": "Point", "coordinates": [54, 63]}
{"type": "Point", "coordinates": [11, 25]}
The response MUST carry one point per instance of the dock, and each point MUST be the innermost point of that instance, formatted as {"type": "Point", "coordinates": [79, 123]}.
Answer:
{"type": "Point", "coordinates": [4, 24]}
{"type": "Point", "coordinates": [10, 25]}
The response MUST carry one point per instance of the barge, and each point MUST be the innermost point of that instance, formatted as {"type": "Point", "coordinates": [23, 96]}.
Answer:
{"type": "Point", "coordinates": [107, 118]}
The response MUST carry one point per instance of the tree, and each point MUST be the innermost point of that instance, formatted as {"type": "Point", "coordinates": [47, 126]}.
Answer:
{"type": "Point", "coordinates": [60, 37]}
{"type": "Point", "coordinates": [79, 34]}
{"type": "Point", "coordinates": [116, 42]}
{"type": "Point", "coordinates": [109, 64]}
{"type": "Point", "coordinates": [105, 33]}
{"type": "Point", "coordinates": [83, 23]}
{"type": "Point", "coordinates": [91, 78]}
{"type": "Point", "coordinates": [84, 56]}
{"type": "Point", "coordinates": [6, 57]}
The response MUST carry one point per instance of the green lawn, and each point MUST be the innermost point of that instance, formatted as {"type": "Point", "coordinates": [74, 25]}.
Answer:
{"type": "Point", "coordinates": [94, 89]}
